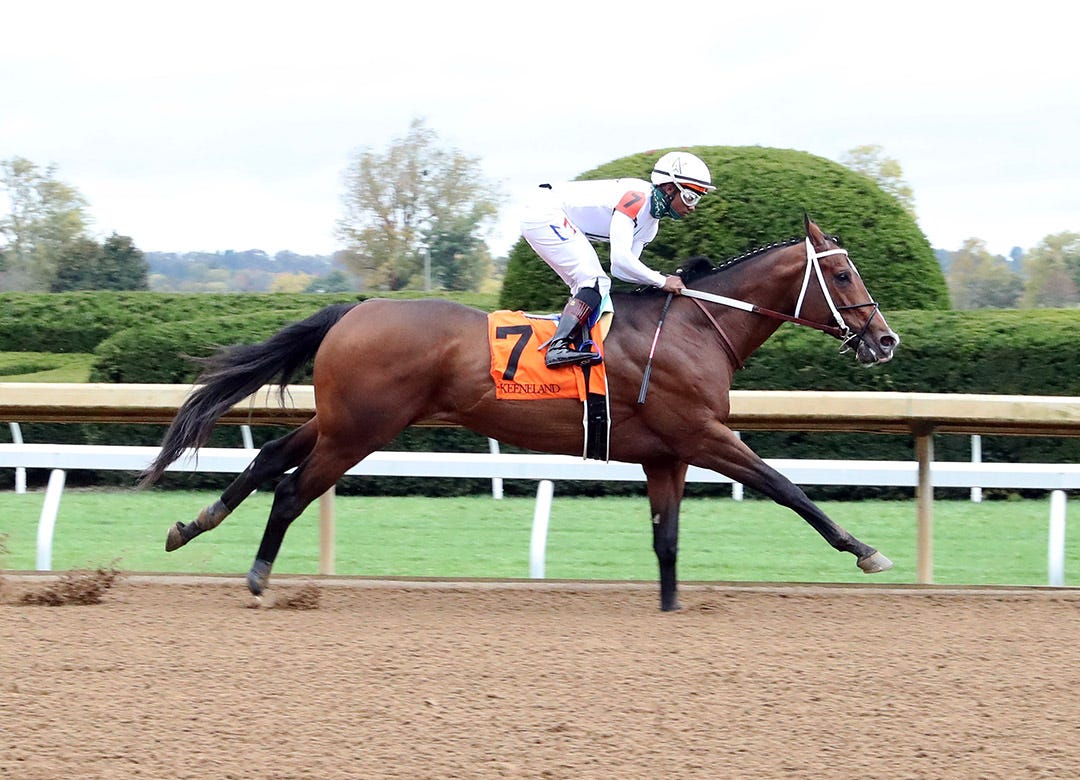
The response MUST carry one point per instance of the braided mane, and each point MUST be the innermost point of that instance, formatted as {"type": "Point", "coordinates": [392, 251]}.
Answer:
{"type": "Point", "coordinates": [699, 266]}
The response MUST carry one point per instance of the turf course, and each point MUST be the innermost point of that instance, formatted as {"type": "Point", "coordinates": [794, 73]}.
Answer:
{"type": "Point", "coordinates": [994, 542]}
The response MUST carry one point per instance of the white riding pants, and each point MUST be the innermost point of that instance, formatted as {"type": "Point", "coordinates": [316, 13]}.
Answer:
{"type": "Point", "coordinates": [562, 246]}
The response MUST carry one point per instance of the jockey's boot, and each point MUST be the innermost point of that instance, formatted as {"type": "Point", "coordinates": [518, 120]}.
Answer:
{"type": "Point", "coordinates": [560, 350]}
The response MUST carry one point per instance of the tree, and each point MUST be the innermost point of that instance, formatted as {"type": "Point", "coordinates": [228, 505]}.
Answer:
{"type": "Point", "coordinates": [86, 265]}
{"type": "Point", "coordinates": [870, 161]}
{"type": "Point", "coordinates": [980, 280]}
{"type": "Point", "coordinates": [77, 267]}
{"type": "Point", "coordinates": [45, 217]}
{"type": "Point", "coordinates": [1053, 272]}
{"type": "Point", "coordinates": [290, 282]}
{"type": "Point", "coordinates": [333, 282]}
{"type": "Point", "coordinates": [460, 259]}
{"type": "Point", "coordinates": [397, 203]}
{"type": "Point", "coordinates": [123, 265]}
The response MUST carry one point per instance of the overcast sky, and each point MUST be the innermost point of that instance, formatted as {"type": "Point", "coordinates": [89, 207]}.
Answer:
{"type": "Point", "coordinates": [227, 125]}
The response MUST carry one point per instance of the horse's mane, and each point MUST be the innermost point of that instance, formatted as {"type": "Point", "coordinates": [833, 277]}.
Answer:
{"type": "Point", "coordinates": [699, 265]}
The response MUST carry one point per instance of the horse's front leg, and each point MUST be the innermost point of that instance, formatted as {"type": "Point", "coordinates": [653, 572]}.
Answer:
{"type": "Point", "coordinates": [666, 482]}
{"type": "Point", "coordinates": [274, 459]}
{"type": "Point", "coordinates": [728, 455]}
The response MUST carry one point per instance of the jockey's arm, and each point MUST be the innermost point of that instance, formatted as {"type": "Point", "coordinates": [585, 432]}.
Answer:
{"type": "Point", "coordinates": [625, 254]}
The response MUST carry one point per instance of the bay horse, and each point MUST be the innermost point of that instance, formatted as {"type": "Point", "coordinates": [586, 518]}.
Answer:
{"type": "Point", "coordinates": [383, 365]}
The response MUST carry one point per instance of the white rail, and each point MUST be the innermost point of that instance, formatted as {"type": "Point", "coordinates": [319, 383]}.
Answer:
{"type": "Point", "coordinates": [552, 468]}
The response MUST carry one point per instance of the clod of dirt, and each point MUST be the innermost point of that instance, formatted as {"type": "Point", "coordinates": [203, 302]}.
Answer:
{"type": "Point", "coordinates": [79, 587]}
{"type": "Point", "coordinates": [305, 597]}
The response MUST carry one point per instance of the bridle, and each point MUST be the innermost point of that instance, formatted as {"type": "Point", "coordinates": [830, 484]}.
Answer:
{"type": "Point", "coordinates": [849, 339]}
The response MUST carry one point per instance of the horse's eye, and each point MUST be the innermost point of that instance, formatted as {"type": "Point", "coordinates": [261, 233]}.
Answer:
{"type": "Point", "coordinates": [843, 276]}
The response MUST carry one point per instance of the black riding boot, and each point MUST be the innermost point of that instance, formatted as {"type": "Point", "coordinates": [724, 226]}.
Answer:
{"type": "Point", "coordinates": [560, 351]}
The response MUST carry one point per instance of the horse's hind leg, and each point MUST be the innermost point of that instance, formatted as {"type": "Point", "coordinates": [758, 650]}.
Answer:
{"type": "Point", "coordinates": [666, 483]}
{"type": "Point", "coordinates": [326, 464]}
{"type": "Point", "coordinates": [274, 459]}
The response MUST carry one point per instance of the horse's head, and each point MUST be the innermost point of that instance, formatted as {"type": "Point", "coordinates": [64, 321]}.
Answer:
{"type": "Point", "coordinates": [833, 293]}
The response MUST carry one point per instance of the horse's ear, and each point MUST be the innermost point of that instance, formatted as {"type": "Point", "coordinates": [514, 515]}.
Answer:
{"type": "Point", "coordinates": [813, 232]}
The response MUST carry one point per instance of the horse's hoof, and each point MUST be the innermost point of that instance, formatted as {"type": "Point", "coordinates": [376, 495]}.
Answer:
{"type": "Point", "coordinates": [258, 577]}
{"type": "Point", "coordinates": [874, 562]}
{"type": "Point", "coordinates": [670, 606]}
{"type": "Point", "coordinates": [174, 540]}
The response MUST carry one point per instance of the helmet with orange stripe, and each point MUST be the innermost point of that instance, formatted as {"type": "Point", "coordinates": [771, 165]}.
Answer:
{"type": "Point", "coordinates": [688, 173]}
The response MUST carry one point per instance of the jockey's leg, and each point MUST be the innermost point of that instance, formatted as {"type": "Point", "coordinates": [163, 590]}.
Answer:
{"type": "Point", "coordinates": [575, 314]}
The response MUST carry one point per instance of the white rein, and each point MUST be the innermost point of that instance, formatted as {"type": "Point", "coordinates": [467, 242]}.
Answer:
{"type": "Point", "coordinates": [812, 263]}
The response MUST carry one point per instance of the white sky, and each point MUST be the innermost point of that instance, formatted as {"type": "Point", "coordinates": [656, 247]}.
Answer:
{"type": "Point", "coordinates": [227, 125]}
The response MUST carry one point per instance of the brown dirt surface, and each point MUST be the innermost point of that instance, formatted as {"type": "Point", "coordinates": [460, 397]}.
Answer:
{"type": "Point", "coordinates": [180, 678]}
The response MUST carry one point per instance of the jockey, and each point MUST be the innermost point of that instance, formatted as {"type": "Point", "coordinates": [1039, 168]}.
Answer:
{"type": "Point", "coordinates": [562, 219]}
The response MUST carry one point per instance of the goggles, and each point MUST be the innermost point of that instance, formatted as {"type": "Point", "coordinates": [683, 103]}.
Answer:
{"type": "Point", "coordinates": [689, 197]}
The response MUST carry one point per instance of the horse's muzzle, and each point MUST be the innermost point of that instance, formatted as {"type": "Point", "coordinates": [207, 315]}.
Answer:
{"type": "Point", "coordinates": [872, 349]}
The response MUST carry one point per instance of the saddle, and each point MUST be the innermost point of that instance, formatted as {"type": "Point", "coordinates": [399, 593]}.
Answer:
{"type": "Point", "coordinates": [518, 371]}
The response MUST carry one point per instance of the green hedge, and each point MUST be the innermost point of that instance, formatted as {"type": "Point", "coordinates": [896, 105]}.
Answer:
{"type": "Point", "coordinates": [1029, 352]}
{"type": "Point", "coordinates": [760, 199]}
{"type": "Point", "coordinates": [79, 321]}
{"type": "Point", "coordinates": [999, 352]}
{"type": "Point", "coordinates": [163, 353]}
{"type": "Point", "coordinates": [1003, 352]}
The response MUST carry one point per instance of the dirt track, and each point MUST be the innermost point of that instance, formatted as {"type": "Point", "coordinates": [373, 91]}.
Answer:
{"type": "Point", "coordinates": [167, 680]}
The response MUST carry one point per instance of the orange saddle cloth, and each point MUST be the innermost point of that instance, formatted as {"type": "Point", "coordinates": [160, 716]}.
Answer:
{"type": "Point", "coordinates": [517, 362]}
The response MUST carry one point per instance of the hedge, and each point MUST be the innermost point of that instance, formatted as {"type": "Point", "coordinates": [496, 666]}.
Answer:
{"type": "Point", "coordinates": [761, 197]}
{"type": "Point", "coordinates": [79, 321]}
{"type": "Point", "coordinates": [1024, 352]}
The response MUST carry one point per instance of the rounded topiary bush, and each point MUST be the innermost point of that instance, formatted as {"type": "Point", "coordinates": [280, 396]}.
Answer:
{"type": "Point", "coordinates": [761, 197]}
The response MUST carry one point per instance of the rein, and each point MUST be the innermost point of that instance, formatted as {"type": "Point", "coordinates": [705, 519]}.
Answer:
{"type": "Point", "coordinates": [840, 330]}
{"type": "Point", "coordinates": [734, 303]}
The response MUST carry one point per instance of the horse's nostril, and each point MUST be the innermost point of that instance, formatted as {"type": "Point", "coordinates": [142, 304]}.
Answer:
{"type": "Point", "coordinates": [888, 342]}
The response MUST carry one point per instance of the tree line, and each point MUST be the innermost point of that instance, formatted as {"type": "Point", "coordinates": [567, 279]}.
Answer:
{"type": "Point", "coordinates": [250, 271]}
{"type": "Point", "coordinates": [1045, 276]}
{"type": "Point", "coordinates": [414, 216]}
{"type": "Point", "coordinates": [46, 242]}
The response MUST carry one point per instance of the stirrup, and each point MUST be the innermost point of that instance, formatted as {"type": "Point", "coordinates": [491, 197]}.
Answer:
{"type": "Point", "coordinates": [562, 353]}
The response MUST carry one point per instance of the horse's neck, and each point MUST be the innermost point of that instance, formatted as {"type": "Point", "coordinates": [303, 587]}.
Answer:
{"type": "Point", "coordinates": [770, 281]}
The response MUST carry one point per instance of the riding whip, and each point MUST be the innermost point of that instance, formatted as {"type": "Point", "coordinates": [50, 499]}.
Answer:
{"type": "Point", "coordinates": [652, 349]}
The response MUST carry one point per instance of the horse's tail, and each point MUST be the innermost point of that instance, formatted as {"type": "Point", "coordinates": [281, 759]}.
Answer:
{"type": "Point", "coordinates": [233, 374]}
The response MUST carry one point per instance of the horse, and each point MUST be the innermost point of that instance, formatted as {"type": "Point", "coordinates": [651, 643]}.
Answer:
{"type": "Point", "coordinates": [382, 365]}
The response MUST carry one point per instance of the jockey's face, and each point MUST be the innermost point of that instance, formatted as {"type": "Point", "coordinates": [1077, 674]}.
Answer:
{"type": "Point", "coordinates": [678, 204]}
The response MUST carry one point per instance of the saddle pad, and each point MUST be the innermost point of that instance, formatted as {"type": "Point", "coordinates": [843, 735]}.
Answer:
{"type": "Point", "coordinates": [517, 363]}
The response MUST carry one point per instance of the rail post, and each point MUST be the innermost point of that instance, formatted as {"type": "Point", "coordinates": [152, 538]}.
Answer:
{"type": "Point", "coordinates": [541, 517]}
{"type": "Point", "coordinates": [47, 522]}
{"type": "Point", "coordinates": [924, 495]}
{"type": "Point", "coordinates": [326, 531]}
{"type": "Point", "coordinates": [1056, 555]}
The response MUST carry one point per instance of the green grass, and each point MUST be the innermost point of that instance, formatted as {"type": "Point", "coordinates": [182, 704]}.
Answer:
{"type": "Point", "coordinates": [45, 367]}
{"type": "Point", "coordinates": [1000, 542]}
